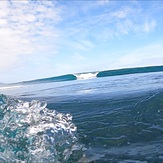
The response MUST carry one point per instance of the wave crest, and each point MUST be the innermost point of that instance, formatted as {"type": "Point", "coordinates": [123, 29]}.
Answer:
{"type": "Point", "coordinates": [86, 75]}
{"type": "Point", "coordinates": [32, 133]}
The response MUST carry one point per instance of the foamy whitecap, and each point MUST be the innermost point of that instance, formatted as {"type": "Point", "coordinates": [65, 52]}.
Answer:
{"type": "Point", "coordinates": [30, 132]}
{"type": "Point", "coordinates": [10, 87]}
{"type": "Point", "coordinates": [86, 76]}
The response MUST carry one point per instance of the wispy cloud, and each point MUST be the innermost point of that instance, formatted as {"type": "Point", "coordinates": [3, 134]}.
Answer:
{"type": "Point", "coordinates": [144, 56]}
{"type": "Point", "coordinates": [102, 2]}
{"type": "Point", "coordinates": [149, 25]}
{"type": "Point", "coordinates": [115, 20]}
{"type": "Point", "coordinates": [81, 45]}
{"type": "Point", "coordinates": [79, 57]}
{"type": "Point", "coordinates": [122, 13]}
{"type": "Point", "coordinates": [21, 24]}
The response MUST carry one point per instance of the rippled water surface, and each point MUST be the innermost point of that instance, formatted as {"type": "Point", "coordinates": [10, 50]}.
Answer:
{"type": "Point", "coordinates": [114, 119]}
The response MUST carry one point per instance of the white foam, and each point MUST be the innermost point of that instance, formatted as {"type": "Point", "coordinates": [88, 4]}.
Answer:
{"type": "Point", "coordinates": [86, 76]}
{"type": "Point", "coordinates": [10, 87]}
{"type": "Point", "coordinates": [36, 133]}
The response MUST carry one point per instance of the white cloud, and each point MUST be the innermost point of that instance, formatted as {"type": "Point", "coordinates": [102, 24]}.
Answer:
{"type": "Point", "coordinates": [113, 21]}
{"type": "Point", "coordinates": [102, 2]}
{"type": "Point", "coordinates": [81, 45]}
{"type": "Point", "coordinates": [22, 24]}
{"type": "Point", "coordinates": [122, 13]}
{"type": "Point", "coordinates": [145, 56]}
{"type": "Point", "coordinates": [3, 22]}
{"type": "Point", "coordinates": [149, 25]}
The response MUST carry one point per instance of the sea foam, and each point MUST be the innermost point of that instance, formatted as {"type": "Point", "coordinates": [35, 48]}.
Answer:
{"type": "Point", "coordinates": [29, 132]}
{"type": "Point", "coordinates": [82, 76]}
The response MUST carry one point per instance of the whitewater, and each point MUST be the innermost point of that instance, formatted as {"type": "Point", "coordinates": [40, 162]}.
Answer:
{"type": "Point", "coordinates": [110, 116]}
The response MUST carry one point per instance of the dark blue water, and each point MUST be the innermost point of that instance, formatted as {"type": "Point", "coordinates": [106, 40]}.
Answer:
{"type": "Point", "coordinates": [116, 119]}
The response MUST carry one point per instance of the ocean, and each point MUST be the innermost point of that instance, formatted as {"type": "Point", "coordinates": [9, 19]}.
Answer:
{"type": "Point", "coordinates": [111, 116]}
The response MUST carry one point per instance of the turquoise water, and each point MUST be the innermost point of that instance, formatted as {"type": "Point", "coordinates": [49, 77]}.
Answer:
{"type": "Point", "coordinates": [89, 75]}
{"type": "Point", "coordinates": [113, 119]}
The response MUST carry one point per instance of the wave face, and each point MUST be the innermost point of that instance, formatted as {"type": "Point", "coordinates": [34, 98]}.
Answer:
{"type": "Point", "coordinates": [90, 75]}
{"type": "Point", "coordinates": [67, 77]}
{"type": "Point", "coordinates": [130, 71]}
{"type": "Point", "coordinates": [30, 132]}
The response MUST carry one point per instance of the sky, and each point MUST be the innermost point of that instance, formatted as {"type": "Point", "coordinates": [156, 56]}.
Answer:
{"type": "Point", "coordinates": [41, 38]}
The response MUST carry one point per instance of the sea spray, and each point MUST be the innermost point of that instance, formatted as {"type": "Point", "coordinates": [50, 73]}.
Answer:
{"type": "Point", "coordinates": [30, 132]}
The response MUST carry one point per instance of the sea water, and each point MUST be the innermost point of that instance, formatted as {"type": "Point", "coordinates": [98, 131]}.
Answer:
{"type": "Point", "coordinates": [114, 119]}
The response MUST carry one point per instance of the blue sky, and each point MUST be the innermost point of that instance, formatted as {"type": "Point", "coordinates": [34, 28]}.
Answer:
{"type": "Point", "coordinates": [41, 39]}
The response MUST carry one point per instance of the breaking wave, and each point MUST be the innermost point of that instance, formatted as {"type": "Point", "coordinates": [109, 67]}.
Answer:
{"type": "Point", "coordinates": [86, 75]}
{"type": "Point", "coordinates": [29, 132]}
{"type": "Point", "coordinates": [90, 75]}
